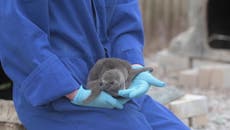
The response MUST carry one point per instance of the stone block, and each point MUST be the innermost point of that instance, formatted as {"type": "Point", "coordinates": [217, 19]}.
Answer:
{"type": "Point", "coordinates": [166, 94]}
{"type": "Point", "coordinates": [214, 76]}
{"type": "Point", "coordinates": [198, 63]}
{"type": "Point", "coordinates": [10, 126]}
{"type": "Point", "coordinates": [171, 63]}
{"type": "Point", "coordinates": [188, 78]}
{"type": "Point", "coordinates": [189, 106]}
{"type": "Point", "coordinates": [204, 76]}
{"type": "Point", "coordinates": [220, 76]}
{"type": "Point", "coordinates": [199, 121]}
{"type": "Point", "coordinates": [185, 121]}
{"type": "Point", "coordinates": [8, 116]}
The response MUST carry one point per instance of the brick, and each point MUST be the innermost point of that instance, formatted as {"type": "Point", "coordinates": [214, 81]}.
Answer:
{"type": "Point", "coordinates": [189, 106]}
{"type": "Point", "coordinates": [185, 121]}
{"type": "Point", "coordinates": [166, 94]}
{"type": "Point", "coordinates": [204, 76]}
{"type": "Point", "coordinates": [171, 63]}
{"type": "Point", "coordinates": [188, 78]}
{"type": "Point", "coordinates": [220, 76]}
{"type": "Point", "coordinates": [8, 116]}
{"type": "Point", "coordinates": [10, 126]}
{"type": "Point", "coordinates": [197, 63]}
{"type": "Point", "coordinates": [199, 121]}
{"type": "Point", "coordinates": [214, 76]}
{"type": "Point", "coordinates": [8, 113]}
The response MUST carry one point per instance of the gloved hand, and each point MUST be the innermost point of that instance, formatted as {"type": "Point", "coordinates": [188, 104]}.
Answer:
{"type": "Point", "coordinates": [104, 100]}
{"type": "Point", "coordinates": [140, 84]}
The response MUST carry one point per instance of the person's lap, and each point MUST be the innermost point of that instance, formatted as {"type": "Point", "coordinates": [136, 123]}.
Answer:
{"type": "Point", "coordinates": [139, 114]}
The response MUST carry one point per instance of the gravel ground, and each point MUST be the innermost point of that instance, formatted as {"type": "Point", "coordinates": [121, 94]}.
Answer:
{"type": "Point", "coordinates": [218, 107]}
{"type": "Point", "coordinates": [218, 101]}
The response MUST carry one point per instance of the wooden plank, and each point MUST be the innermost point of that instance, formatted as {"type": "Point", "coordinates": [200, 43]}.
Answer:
{"type": "Point", "coordinates": [163, 19]}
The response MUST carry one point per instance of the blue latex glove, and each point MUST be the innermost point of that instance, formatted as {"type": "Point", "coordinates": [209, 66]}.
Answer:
{"type": "Point", "coordinates": [140, 84]}
{"type": "Point", "coordinates": [104, 100]}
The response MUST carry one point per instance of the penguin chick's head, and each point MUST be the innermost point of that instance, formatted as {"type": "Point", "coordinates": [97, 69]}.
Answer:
{"type": "Point", "coordinates": [113, 78]}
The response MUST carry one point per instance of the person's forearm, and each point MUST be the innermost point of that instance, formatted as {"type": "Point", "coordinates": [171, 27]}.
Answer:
{"type": "Point", "coordinates": [127, 35]}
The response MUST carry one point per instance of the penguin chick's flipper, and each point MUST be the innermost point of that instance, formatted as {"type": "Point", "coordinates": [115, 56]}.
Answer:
{"type": "Point", "coordinates": [94, 86]}
{"type": "Point", "coordinates": [134, 72]}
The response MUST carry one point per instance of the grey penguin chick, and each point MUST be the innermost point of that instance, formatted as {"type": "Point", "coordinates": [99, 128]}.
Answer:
{"type": "Point", "coordinates": [111, 75]}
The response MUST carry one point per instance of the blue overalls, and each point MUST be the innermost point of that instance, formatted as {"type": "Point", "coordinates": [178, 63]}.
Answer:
{"type": "Point", "coordinates": [47, 48]}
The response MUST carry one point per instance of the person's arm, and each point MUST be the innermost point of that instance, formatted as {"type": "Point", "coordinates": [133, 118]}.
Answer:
{"type": "Point", "coordinates": [126, 32]}
{"type": "Point", "coordinates": [27, 58]}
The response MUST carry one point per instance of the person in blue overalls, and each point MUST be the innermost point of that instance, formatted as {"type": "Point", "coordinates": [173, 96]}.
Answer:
{"type": "Point", "coordinates": [47, 48]}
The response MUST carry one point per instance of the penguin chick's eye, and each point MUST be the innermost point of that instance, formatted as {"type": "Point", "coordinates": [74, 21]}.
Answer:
{"type": "Point", "coordinates": [112, 82]}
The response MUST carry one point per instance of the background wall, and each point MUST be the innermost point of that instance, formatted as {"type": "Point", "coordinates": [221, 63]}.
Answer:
{"type": "Point", "coordinates": [163, 19]}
